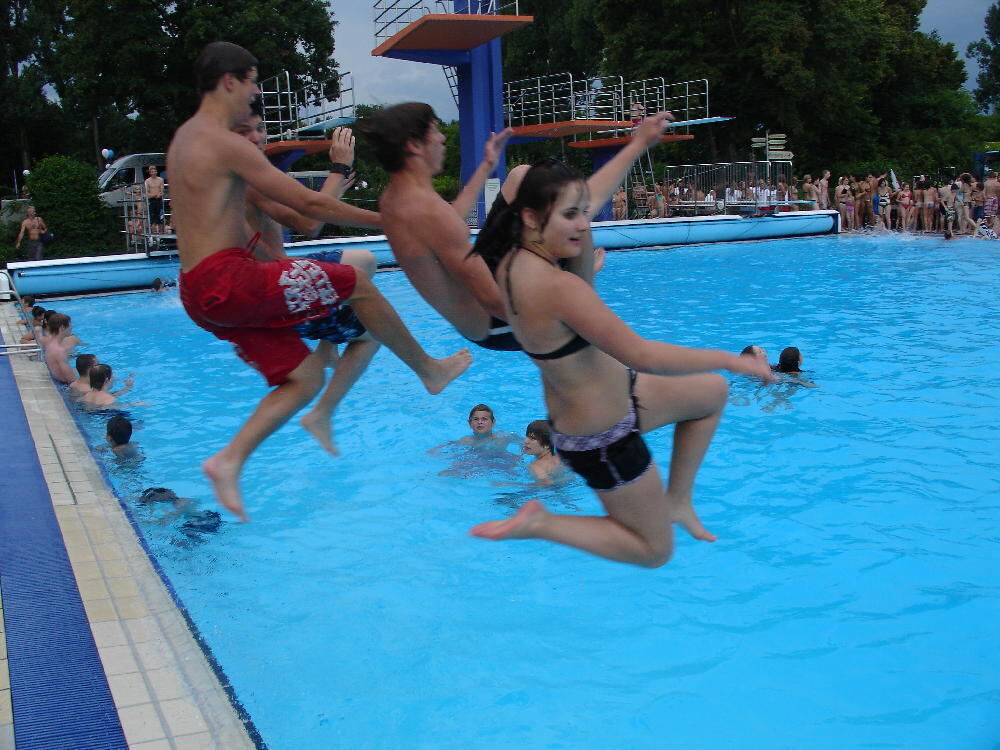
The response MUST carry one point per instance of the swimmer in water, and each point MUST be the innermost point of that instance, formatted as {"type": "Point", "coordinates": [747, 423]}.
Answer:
{"type": "Point", "coordinates": [119, 437]}
{"type": "Point", "coordinates": [255, 305]}
{"type": "Point", "coordinates": [546, 466]}
{"type": "Point", "coordinates": [100, 394]}
{"type": "Point", "coordinates": [81, 385]}
{"type": "Point", "coordinates": [604, 385]}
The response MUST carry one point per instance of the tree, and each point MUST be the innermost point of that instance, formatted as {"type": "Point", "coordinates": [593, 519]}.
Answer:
{"type": "Point", "coordinates": [987, 53]}
{"type": "Point", "coordinates": [64, 192]}
{"type": "Point", "coordinates": [28, 28]}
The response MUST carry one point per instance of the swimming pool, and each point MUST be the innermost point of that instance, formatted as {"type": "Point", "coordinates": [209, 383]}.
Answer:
{"type": "Point", "coordinates": [850, 601]}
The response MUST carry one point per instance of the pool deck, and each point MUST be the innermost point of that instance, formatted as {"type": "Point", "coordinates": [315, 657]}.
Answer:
{"type": "Point", "coordinates": [166, 691]}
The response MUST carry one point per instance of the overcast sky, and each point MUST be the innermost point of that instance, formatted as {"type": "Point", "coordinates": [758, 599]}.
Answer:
{"type": "Point", "coordinates": [379, 80]}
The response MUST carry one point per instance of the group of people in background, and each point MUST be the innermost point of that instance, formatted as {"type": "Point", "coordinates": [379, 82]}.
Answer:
{"type": "Point", "coordinates": [960, 205]}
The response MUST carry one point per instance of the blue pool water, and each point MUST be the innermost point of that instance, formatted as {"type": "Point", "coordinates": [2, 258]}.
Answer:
{"type": "Point", "coordinates": [851, 601]}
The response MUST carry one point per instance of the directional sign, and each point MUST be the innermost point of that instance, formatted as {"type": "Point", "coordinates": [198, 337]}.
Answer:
{"type": "Point", "coordinates": [772, 136]}
{"type": "Point", "coordinates": [758, 141]}
{"type": "Point", "coordinates": [779, 155]}
{"type": "Point", "coordinates": [776, 141]}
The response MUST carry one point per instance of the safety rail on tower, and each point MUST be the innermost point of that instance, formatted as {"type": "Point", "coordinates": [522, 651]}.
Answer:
{"type": "Point", "coordinates": [141, 236]}
{"type": "Point", "coordinates": [306, 113]}
{"type": "Point", "coordinates": [392, 17]}
{"type": "Point", "coordinates": [746, 188]}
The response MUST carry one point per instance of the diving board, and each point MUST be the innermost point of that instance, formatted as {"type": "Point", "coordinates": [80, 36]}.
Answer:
{"type": "Point", "coordinates": [623, 140]}
{"type": "Point", "coordinates": [449, 31]}
{"type": "Point", "coordinates": [697, 121]}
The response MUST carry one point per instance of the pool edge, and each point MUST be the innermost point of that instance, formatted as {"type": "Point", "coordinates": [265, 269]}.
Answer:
{"type": "Point", "coordinates": [164, 685]}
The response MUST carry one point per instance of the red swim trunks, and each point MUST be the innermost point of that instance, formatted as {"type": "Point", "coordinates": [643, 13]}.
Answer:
{"type": "Point", "coordinates": [253, 304]}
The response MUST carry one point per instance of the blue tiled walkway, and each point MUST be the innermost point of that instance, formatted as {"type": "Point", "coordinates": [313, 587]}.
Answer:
{"type": "Point", "coordinates": [61, 699]}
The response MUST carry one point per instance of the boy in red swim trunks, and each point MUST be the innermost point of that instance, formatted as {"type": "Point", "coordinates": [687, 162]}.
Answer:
{"type": "Point", "coordinates": [254, 304]}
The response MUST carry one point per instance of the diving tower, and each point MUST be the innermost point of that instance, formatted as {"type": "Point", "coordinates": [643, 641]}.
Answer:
{"type": "Point", "coordinates": [597, 113]}
{"type": "Point", "coordinates": [297, 119]}
{"type": "Point", "coordinates": [463, 36]}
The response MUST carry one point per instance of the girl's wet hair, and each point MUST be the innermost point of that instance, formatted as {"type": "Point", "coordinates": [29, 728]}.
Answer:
{"type": "Point", "coordinates": [539, 191]}
{"type": "Point", "coordinates": [789, 360]}
{"type": "Point", "coordinates": [540, 431]}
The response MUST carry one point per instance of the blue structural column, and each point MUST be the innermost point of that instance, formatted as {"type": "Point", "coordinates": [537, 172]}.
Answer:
{"type": "Point", "coordinates": [480, 105]}
{"type": "Point", "coordinates": [599, 157]}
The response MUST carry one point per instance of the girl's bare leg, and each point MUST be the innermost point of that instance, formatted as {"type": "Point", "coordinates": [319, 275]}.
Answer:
{"type": "Point", "coordinates": [637, 529]}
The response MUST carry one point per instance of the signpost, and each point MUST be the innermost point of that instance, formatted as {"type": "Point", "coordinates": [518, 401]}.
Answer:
{"type": "Point", "coordinates": [773, 145]}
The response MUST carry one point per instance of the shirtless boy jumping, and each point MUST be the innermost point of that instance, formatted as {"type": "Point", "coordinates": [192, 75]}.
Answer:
{"type": "Point", "coordinates": [342, 326]}
{"type": "Point", "coordinates": [429, 236]}
{"type": "Point", "coordinates": [255, 304]}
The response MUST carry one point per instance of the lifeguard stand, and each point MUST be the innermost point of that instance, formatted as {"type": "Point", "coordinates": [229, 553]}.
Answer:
{"type": "Point", "coordinates": [464, 37]}
{"type": "Point", "coordinates": [296, 120]}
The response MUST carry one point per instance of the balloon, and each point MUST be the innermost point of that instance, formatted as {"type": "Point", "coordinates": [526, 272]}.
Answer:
{"type": "Point", "coordinates": [104, 153]}
{"type": "Point", "coordinates": [26, 172]}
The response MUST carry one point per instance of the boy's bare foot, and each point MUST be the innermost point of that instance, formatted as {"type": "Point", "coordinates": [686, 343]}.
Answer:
{"type": "Point", "coordinates": [321, 429]}
{"type": "Point", "coordinates": [440, 372]}
{"type": "Point", "coordinates": [520, 526]}
{"type": "Point", "coordinates": [225, 476]}
{"type": "Point", "coordinates": [682, 512]}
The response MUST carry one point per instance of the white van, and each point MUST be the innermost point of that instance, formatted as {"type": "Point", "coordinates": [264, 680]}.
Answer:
{"type": "Point", "coordinates": [128, 170]}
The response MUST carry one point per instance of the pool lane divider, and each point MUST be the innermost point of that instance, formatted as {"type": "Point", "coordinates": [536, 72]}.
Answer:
{"type": "Point", "coordinates": [59, 693]}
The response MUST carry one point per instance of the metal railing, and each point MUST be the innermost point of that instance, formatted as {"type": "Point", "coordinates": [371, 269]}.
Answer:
{"type": "Point", "coordinates": [687, 100]}
{"type": "Point", "coordinates": [305, 113]}
{"type": "Point", "coordinates": [560, 97]}
{"type": "Point", "coordinates": [392, 16]}
{"type": "Point", "coordinates": [729, 187]}
{"type": "Point", "coordinates": [138, 231]}
{"type": "Point", "coordinates": [17, 348]}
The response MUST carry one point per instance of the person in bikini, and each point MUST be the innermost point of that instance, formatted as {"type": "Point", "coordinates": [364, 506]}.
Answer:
{"type": "Point", "coordinates": [342, 325]}
{"type": "Point", "coordinates": [598, 375]}
{"type": "Point", "coordinates": [991, 201]}
{"type": "Point", "coordinates": [429, 236]}
{"type": "Point", "coordinates": [904, 199]}
{"type": "Point", "coordinates": [254, 304]}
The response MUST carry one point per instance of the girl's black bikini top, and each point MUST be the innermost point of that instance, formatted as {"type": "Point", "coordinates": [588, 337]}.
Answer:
{"type": "Point", "coordinates": [572, 346]}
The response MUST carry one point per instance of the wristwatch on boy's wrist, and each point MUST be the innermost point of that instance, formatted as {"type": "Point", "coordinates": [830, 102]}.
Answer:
{"type": "Point", "coordinates": [338, 167]}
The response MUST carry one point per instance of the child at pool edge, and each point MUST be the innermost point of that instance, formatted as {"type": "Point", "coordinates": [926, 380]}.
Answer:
{"type": "Point", "coordinates": [59, 327]}
{"type": "Point", "coordinates": [119, 437]}
{"type": "Point", "coordinates": [100, 394]}
{"type": "Point", "coordinates": [81, 384]}
{"type": "Point", "coordinates": [591, 385]}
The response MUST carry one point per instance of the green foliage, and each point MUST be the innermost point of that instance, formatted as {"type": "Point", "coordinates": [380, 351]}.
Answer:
{"type": "Point", "coordinates": [850, 81]}
{"type": "Point", "coordinates": [987, 53]}
{"type": "Point", "coordinates": [64, 193]}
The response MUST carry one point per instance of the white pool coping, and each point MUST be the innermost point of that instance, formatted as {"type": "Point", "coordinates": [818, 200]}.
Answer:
{"type": "Point", "coordinates": [167, 694]}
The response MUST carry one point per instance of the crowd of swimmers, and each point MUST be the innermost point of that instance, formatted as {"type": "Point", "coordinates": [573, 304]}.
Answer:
{"type": "Point", "coordinates": [87, 386]}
